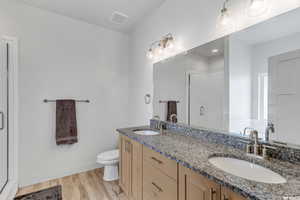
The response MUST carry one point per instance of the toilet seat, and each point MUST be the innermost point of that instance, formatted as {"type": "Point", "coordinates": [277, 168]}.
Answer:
{"type": "Point", "coordinates": [110, 162]}
{"type": "Point", "coordinates": [109, 155]}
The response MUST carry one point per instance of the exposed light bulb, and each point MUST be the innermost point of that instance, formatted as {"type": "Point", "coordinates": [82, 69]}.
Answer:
{"type": "Point", "coordinates": [257, 7]}
{"type": "Point", "coordinates": [225, 18]}
{"type": "Point", "coordinates": [257, 4]}
{"type": "Point", "coordinates": [160, 50]}
{"type": "Point", "coordinates": [170, 43]}
{"type": "Point", "coordinates": [225, 22]}
{"type": "Point", "coordinates": [150, 54]}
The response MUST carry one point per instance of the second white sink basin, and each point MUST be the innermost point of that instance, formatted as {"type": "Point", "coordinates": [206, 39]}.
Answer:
{"type": "Point", "coordinates": [146, 132]}
{"type": "Point", "coordinates": [247, 170]}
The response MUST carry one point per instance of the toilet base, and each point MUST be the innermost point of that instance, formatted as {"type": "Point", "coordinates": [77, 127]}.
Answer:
{"type": "Point", "coordinates": [111, 173]}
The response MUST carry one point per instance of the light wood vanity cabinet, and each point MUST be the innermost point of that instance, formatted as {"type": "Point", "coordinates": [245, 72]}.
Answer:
{"type": "Point", "coordinates": [159, 176]}
{"type": "Point", "coordinates": [230, 195]}
{"type": "Point", "coordinates": [160, 162]}
{"type": "Point", "coordinates": [193, 186]}
{"type": "Point", "coordinates": [130, 169]}
{"type": "Point", "coordinates": [148, 175]}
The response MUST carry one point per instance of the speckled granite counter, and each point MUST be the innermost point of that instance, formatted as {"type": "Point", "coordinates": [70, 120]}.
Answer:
{"type": "Point", "coordinates": [194, 153]}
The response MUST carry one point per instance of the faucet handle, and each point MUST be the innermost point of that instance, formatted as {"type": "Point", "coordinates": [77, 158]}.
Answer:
{"type": "Point", "coordinates": [156, 117]}
{"type": "Point", "coordinates": [269, 147]}
{"type": "Point", "coordinates": [172, 118]}
{"type": "Point", "coordinates": [265, 151]}
{"type": "Point", "coordinates": [254, 135]}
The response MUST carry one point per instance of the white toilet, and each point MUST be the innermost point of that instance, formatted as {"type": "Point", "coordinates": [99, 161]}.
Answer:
{"type": "Point", "coordinates": [110, 160]}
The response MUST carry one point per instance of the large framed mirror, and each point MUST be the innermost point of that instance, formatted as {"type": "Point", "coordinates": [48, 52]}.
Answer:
{"type": "Point", "coordinates": [247, 80]}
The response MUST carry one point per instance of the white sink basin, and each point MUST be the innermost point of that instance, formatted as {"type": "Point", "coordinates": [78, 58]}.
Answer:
{"type": "Point", "coordinates": [146, 132]}
{"type": "Point", "coordinates": [247, 170]}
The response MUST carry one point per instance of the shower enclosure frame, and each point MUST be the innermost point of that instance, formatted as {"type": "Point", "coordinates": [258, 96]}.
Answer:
{"type": "Point", "coordinates": [11, 187]}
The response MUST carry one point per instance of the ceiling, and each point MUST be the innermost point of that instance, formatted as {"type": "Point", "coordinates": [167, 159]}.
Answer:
{"type": "Point", "coordinates": [99, 12]}
{"type": "Point", "coordinates": [206, 50]}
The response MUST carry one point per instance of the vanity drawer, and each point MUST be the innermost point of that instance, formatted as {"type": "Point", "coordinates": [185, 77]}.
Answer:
{"type": "Point", "coordinates": [167, 166]}
{"type": "Point", "coordinates": [157, 185]}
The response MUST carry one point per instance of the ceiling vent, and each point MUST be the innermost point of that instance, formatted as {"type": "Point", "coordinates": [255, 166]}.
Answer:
{"type": "Point", "coordinates": [119, 18]}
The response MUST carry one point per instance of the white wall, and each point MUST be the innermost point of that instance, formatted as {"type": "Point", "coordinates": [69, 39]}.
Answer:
{"type": "Point", "coordinates": [63, 58]}
{"type": "Point", "coordinates": [239, 84]}
{"type": "Point", "coordinates": [193, 22]}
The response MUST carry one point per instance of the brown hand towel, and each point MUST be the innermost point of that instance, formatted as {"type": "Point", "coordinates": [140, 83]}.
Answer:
{"type": "Point", "coordinates": [66, 126]}
{"type": "Point", "coordinates": [172, 109]}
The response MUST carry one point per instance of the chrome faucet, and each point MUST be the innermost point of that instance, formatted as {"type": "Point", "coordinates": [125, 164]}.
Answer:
{"type": "Point", "coordinates": [246, 129]}
{"type": "Point", "coordinates": [254, 136]}
{"type": "Point", "coordinates": [269, 128]}
{"type": "Point", "coordinates": [156, 117]}
{"type": "Point", "coordinates": [172, 118]}
{"type": "Point", "coordinates": [259, 150]}
{"type": "Point", "coordinates": [161, 127]}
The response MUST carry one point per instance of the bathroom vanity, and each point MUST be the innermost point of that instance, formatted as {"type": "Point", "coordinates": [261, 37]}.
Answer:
{"type": "Point", "coordinates": [176, 166]}
{"type": "Point", "coordinates": [158, 177]}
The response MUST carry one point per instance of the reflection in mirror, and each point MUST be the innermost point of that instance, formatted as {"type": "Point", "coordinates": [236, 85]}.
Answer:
{"type": "Point", "coordinates": [264, 66]}
{"type": "Point", "coordinates": [195, 82]}
{"type": "Point", "coordinates": [248, 80]}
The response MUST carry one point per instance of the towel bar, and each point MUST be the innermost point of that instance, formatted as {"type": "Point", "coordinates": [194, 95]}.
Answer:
{"type": "Point", "coordinates": [167, 101]}
{"type": "Point", "coordinates": [81, 101]}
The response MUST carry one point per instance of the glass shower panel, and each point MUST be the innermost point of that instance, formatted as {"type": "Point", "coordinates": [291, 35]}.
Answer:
{"type": "Point", "coordinates": [4, 114]}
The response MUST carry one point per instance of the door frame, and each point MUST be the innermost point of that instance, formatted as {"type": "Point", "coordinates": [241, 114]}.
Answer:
{"type": "Point", "coordinates": [273, 62]}
{"type": "Point", "coordinates": [12, 185]}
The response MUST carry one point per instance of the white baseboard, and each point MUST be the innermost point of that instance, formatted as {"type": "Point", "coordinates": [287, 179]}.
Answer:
{"type": "Point", "coordinates": [9, 191]}
{"type": "Point", "coordinates": [69, 173]}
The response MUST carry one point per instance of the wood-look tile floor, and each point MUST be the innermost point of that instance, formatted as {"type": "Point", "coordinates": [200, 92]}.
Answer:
{"type": "Point", "coordinates": [83, 186]}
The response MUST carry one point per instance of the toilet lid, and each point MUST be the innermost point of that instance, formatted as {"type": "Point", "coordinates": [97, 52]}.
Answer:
{"type": "Point", "coordinates": [109, 155]}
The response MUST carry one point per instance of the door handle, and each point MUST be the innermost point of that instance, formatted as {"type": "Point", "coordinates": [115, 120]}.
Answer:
{"type": "Point", "coordinates": [156, 160]}
{"type": "Point", "coordinates": [212, 193]}
{"type": "Point", "coordinates": [2, 120]}
{"type": "Point", "coordinates": [157, 187]}
{"type": "Point", "coordinates": [225, 197]}
{"type": "Point", "coordinates": [128, 146]}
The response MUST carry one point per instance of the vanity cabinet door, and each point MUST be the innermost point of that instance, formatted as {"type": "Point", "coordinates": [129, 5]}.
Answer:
{"type": "Point", "coordinates": [193, 186]}
{"type": "Point", "coordinates": [230, 195]}
{"type": "Point", "coordinates": [130, 168]}
{"type": "Point", "coordinates": [137, 171]}
{"type": "Point", "coordinates": [125, 165]}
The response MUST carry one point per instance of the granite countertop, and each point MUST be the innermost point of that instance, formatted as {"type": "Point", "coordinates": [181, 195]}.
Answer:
{"type": "Point", "coordinates": [194, 153]}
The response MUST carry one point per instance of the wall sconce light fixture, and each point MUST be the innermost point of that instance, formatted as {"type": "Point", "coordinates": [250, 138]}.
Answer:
{"type": "Point", "coordinates": [257, 7]}
{"type": "Point", "coordinates": [225, 21]}
{"type": "Point", "coordinates": [159, 47]}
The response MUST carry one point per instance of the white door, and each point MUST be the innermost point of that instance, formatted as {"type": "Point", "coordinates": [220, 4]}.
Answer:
{"type": "Point", "coordinates": [3, 114]}
{"type": "Point", "coordinates": [206, 100]}
{"type": "Point", "coordinates": [284, 97]}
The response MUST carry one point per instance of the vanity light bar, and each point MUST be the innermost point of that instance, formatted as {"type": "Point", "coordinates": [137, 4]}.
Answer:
{"type": "Point", "coordinates": [157, 48]}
